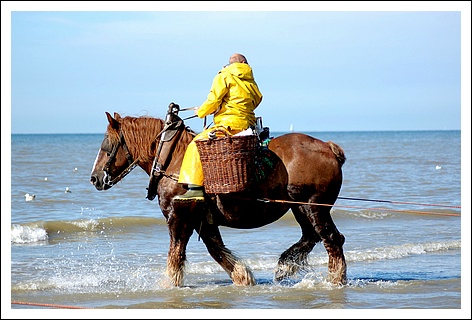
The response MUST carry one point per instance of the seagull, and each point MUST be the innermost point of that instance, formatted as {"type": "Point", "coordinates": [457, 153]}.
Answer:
{"type": "Point", "coordinates": [46, 179]}
{"type": "Point", "coordinates": [67, 190]}
{"type": "Point", "coordinates": [438, 167]}
{"type": "Point", "coordinates": [29, 197]}
{"type": "Point", "coordinates": [75, 169]}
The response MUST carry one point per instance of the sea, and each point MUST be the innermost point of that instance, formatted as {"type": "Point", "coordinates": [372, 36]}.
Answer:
{"type": "Point", "coordinates": [76, 252]}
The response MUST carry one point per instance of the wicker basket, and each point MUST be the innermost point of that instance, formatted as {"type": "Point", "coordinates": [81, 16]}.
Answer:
{"type": "Point", "coordinates": [228, 162]}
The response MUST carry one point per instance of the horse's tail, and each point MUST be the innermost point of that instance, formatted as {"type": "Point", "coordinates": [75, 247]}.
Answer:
{"type": "Point", "coordinates": [338, 152]}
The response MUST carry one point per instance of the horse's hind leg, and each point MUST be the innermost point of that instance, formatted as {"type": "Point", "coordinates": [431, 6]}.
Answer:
{"type": "Point", "coordinates": [239, 273]}
{"type": "Point", "coordinates": [333, 241]}
{"type": "Point", "coordinates": [295, 257]}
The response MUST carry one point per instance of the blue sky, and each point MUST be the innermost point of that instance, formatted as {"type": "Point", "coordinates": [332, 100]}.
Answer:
{"type": "Point", "coordinates": [392, 68]}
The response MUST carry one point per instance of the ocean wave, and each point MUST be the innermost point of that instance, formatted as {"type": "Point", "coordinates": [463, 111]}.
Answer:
{"type": "Point", "coordinates": [401, 251]}
{"type": "Point", "coordinates": [39, 231]}
{"type": "Point", "coordinates": [26, 234]}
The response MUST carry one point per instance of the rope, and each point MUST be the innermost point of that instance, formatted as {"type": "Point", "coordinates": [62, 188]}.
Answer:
{"type": "Point", "coordinates": [194, 116]}
{"type": "Point", "coordinates": [47, 305]}
{"type": "Point", "coordinates": [399, 202]}
{"type": "Point", "coordinates": [186, 109]}
{"type": "Point", "coordinates": [352, 207]}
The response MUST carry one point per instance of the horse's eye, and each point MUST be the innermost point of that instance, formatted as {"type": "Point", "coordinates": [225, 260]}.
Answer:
{"type": "Point", "coordinates": [105, 147]}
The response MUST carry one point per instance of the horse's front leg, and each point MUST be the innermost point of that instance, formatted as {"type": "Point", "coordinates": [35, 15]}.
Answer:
{"type": "Point", "coordinates": [239, 273]}
{"type": "Point", "coordinates": [180, 230]}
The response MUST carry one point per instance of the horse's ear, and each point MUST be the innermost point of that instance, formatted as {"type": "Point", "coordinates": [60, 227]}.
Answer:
{"type": "Point", "coordinates": [113, 123]}
{"type": "Point", "coordinates": [117, 116]}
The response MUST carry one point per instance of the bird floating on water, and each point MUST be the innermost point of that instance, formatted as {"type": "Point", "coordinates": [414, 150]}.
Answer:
{"type": "Point", "coordinates": [438, 167]}
{"type": "Point", "coordinates": [67, 190]}
{"type": "Point", "coordinates": [29, 197]}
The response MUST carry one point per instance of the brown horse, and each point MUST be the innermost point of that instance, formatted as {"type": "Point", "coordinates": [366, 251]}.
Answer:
{"type": "Point", "coordinates": [306, 178]}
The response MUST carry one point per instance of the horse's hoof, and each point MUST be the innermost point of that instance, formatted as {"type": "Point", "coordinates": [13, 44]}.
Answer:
{"type": "Point", "coordinates": [336, 279]}
{"type": "Point", "coordinates": [242, 275]}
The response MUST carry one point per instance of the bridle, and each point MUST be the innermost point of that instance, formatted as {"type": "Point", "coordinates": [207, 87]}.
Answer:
{"type": "Point", "coordinates": [173, 123]}
{"type": "Point", "coordinates": [131, 163]}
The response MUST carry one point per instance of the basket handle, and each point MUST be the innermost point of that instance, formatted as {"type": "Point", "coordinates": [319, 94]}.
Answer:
{"type": "Point", "coordinates": [212, 134]}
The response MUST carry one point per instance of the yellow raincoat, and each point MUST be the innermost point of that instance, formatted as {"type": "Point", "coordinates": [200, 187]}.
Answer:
{"type": "Point", "coordinates": [233, 97]}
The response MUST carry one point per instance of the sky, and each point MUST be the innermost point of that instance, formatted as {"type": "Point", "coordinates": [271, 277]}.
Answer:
{"type": "Point", "coordinates": [369, 67]}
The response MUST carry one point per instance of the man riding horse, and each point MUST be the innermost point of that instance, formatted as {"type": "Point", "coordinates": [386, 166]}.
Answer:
{"type": "Point", "coordinates": [305, 179]}
{"type": "Point", "coordinates": [233, 97]}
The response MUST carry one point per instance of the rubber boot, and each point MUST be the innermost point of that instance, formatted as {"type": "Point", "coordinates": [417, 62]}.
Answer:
{"type": "Point", "coordinates": [194, 193]}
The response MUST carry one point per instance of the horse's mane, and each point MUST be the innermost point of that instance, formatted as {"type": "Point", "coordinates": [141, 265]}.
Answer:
{"type": "Point", "coordinates": [141, 132]}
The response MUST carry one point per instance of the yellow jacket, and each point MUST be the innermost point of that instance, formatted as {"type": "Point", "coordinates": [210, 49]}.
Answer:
{"type": "Point", "coordinates": [233, 97]}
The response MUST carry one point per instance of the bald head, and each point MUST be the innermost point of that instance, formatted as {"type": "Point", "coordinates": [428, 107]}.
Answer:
{"type": "Point", "coordinates": [237, 57]}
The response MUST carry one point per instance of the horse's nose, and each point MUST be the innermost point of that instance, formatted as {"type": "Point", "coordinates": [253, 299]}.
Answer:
{"type": "Point", "coordinates": [96, 182]}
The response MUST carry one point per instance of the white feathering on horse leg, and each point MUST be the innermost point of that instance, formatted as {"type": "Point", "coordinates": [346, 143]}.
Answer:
{"type": "Point", "coordinates": [242, 275]}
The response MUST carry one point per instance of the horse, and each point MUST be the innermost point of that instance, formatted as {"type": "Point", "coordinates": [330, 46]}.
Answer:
{"type": "Point", "coordinates": [305, 178]}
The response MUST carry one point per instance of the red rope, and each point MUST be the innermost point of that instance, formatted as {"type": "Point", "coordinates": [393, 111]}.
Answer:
{"type": "Point", "coordinates": [351, 207]}
{"type": "Point", "coordinates": [399, 202]}
{"type": "Point", "coordinates": [47, 305]}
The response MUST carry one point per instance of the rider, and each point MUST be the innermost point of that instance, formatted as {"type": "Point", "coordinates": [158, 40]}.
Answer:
{"type": "Point", "coordinates": [233, 97]}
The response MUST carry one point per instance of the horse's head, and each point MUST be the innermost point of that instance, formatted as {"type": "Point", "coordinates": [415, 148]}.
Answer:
{"type": "Point", "coordinates": [113, 160]}
{"type": "Point", "coordinates": [132, 141]}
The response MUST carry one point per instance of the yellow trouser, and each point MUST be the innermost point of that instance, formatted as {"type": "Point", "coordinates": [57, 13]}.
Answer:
{"type": "Point", "coordinates": [191, 171]}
